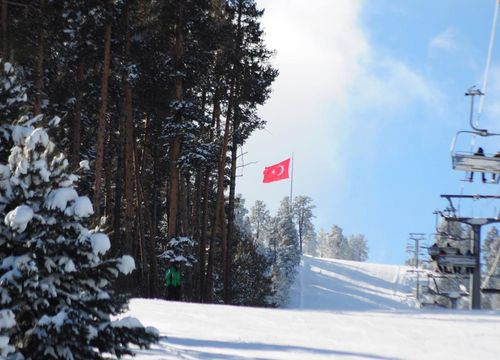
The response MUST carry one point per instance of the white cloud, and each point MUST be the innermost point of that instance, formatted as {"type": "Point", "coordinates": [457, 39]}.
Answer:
{"type": "Point", "coordinates": [392, 85]}
{"type": "Point", "coordinates": [446, 40]}
{"type": "Point", "coordinates": [491, 105]}
{"type": "Point", "coordinates": [330, 78]}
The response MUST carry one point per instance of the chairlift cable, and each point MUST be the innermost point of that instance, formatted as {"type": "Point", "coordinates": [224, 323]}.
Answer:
{"type": "Point", "coordinates": [488, 61]}
{"type": "Point", "coordinates": [486, 73]}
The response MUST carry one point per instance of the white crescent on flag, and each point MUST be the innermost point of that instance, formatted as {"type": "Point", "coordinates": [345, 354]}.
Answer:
{"type": "Point", "coordinates": [277, 172]}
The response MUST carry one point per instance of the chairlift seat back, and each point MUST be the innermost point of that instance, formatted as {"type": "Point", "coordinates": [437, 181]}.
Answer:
{"type": "Point", "coordinates": [435, 251]}
{"type": "Point", "coordinates": [457, 260]}
{"type": "Point", "coordinates": [468, 162]}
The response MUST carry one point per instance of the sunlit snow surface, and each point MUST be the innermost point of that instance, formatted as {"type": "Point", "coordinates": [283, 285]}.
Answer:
{"type": "Point", "coordinates": [338, 309]}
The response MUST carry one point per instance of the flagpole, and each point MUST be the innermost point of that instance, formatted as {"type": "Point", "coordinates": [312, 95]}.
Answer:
{"type": "Point", "coordinates": [291, 186]}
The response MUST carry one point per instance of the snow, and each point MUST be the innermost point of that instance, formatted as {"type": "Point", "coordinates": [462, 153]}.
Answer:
{"type": "Point", "coordinates": [338, 309]}
{"type": "Point", "coordinates": [19, 133]}
{"type": "Point", "coordinates": [4, 172]}
{"type": "Point", "coordinates": [38, 136]}
{"type": "Point", "coordinates": [180, 258]}
{"type": "Point", "coordinates": [59, 198]}
{"type": "Point", "coordinates": [69, 181]}
{"type": "Point", "coordinates": [350, 285]}
{"type": "Point", "coordinates": [84, 164]}
{"type": "Point", "coordinates": [7, 319]}
{"type": "Point", "coordinates": [7, 67]}
{"type": "Point", "coordinates": [127, 322]}
{"type": "Point", "coordinates": [83, 207]}
{"type": "Point", "coordinates": [100, 243]}
{"type": "Point", "coordinates": [5, 348]}
{"type": "Point", "coordinates": [19, 218]}
{"type": "Point", "coordinates": [57, 321]}
{"type": "Point", "coordinates": [69, 265]}
{"type": "Point", "coordinates": [127, 264]}
{"type": "Point", "coordinates": [55, 121]}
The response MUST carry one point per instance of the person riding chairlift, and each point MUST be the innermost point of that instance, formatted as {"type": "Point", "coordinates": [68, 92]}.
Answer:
{"type": "Point", "coordinates": [494, 179]}
{"type": "Point", "coordinates": [479, 152]}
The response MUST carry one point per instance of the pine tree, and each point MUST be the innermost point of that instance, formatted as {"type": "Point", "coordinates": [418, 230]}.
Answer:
{"type": "Point", "coordinates": [455, 234]}
{"type": "Point", "coordinates": [311, 246]}
{"type": "Point", "coordinates": [334, 244]}
{"type": "Point", "coordinates": [252, 280]}
{"type": "Point", "coordinates": [259, 221]}
{"type": "Point", "coordinates": [324, 249]}
{"type": "Point", "coordinates": [357, 248]}
{"type": "Point", "coordinates": [287, 259]}
{"type": "Point", "coordinates": [56, 289]}
{"type": "Point", "coordinates": [303, 215]}
{"type": "Point", "coordinates": [491, 255]}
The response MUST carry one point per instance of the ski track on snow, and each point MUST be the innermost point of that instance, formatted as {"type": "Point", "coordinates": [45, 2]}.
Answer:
{"type": "Point", "coordinates": [337, 310]}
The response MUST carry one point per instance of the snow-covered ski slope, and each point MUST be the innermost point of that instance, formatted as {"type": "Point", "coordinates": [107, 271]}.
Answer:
{"type": "Point", "coordinates": [338, 310]}
{"type": "Point", "coordinates": [327, 284]}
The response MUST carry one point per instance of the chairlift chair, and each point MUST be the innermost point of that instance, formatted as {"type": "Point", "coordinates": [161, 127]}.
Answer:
{"type": "Point", "coordinates": [457, 260]}
{"type": "Point", "coordinates": [468, 161]}
{"type": "Point", "coordinates": [436, 250]}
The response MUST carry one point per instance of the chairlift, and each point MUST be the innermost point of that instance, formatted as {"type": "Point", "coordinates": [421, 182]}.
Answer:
{"type": "Point", "coordinates": [469, 161]}
{"type": "Point", "coordinates": [468, 261]}
{"type": "Point", "coordinates": [437, 250]}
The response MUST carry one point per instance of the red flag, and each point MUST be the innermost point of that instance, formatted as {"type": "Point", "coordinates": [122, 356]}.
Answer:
{"type": "Point", "coordinates": [277, 172]}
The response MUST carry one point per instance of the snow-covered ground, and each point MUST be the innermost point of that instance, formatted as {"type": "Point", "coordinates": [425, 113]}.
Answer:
{"type": "Point", "coordinates": [338, 309]}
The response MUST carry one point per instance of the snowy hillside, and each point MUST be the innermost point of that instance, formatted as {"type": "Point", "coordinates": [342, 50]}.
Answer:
{"type": "Point", "coordinates": [338, 309]}
{"type": "Point", "coordinates": [327, 284]}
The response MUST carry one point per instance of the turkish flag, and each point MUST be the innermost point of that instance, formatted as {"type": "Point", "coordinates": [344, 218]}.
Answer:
{"type": "Point", "coordinates": [277, 172]}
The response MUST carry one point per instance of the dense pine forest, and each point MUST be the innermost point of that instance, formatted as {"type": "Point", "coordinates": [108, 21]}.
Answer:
{"type": "Point", "coordinates": [154, 101]}
{"type": "Point", "coordinates": [157, 97]}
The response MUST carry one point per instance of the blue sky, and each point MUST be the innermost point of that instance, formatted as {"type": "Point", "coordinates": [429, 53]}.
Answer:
{"type": "Point", "coordinates": [369, 97]}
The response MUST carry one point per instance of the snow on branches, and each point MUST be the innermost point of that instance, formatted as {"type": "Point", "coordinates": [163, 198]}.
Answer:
{"type": "Point", "coordinates": [55, 288]}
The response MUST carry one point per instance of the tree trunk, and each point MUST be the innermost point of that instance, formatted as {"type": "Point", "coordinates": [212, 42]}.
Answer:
{"type": "Point", "coordinates": [155, 218]}
{"type": "Point", "coordinates": [203, 236]}
{"type": "Point", "coordinates": [108, 180]}
{"type": "Point", "coordinates": [128, 111]}
{"type": "Point", "coordinates": [176, 143]}
{"type": "Point", "coordinates": [37, 107]}
{"type": "Point", "coordinates": [76, 129]}
{"type": "Point", "coordinates": [220, 194]}
{"type": "Point", "coordinates": [5, 46]}
{"type": "Point", "coordinates": [102, 120]}
{"type": "Point", "coordinates": [230, 220]}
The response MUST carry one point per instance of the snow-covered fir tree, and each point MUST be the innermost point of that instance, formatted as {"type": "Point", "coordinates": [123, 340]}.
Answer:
{"type": "Point", "coordinates": [252, 277]}
{"type": "Point", "coordinates": [357, 248]}
{"type": "Point", "coordinates": [491, 256]}
{"type": "Point", "coordinates": [12, 103]}
{"type": "Point", "coordinates": [56, 294]}
{"type": "Point", "coordinates": [178, 250]}
{"type": "Point", "coordinates": [311, 243]}
{"type": "Point", "coordinates": [455, 234]}
{"type": "Point", "coordinates": [260, 222]}
{"type": "Point", "coordinates": [303, 214]}
{"type": "Point", "coordinates": [335, 244]}
{"type": "Point", "coordinates": [287, 256]}
{"type": "Point", "coordinates": [323, 249]}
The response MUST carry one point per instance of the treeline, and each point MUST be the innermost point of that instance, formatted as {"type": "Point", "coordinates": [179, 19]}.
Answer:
{"type": "Point", "coordinates": [157, 97]}
{"type": "Point", "coordinates": [333, 244]}
{"type": "Point", "coordinates": [274, 245]}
